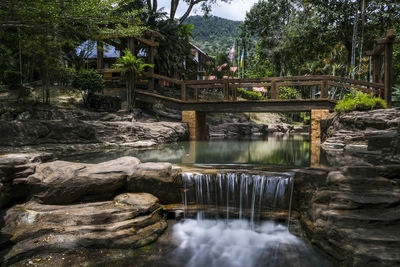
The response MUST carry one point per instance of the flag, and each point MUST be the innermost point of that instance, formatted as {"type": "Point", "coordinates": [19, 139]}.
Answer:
{"type": "Point", "coordinates": [232, 53]}
{"type": "Point", "coordinates": [242, 59]}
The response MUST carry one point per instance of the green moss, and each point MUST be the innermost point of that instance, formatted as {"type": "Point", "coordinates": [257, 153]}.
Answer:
{"type": "Point", "coordinates": [359, 102]}
{"type": "Point", "coordinates": [250, 95]}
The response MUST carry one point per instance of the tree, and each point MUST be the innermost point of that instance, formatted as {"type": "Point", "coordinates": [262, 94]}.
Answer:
{"type": "Point", "coordinates": [294, 37]}
{"type": "Point", "coordinates": [130, 66]}
{"type": "Point", "coordinates": [48, 29]}
{"type": "Point", "coordinates": [205, 6]}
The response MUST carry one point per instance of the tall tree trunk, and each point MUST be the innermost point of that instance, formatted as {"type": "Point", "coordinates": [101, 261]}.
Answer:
{"type": "Point", "coordinates": [363, 7]}
{"type": "Point", "coordinates": [354, 44]}
{"type": "Point", "coordinates": [130, 91]}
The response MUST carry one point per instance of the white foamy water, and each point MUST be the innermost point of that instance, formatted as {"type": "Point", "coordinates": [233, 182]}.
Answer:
{"type": "Point", "coordinates": [217, 243]}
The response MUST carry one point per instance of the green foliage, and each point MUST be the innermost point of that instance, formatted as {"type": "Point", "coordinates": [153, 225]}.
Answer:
{"type": "Point", "coordinates": [88, 81]}
{"type": "Point", "coordinates": [65, 76]}
{"type": "Point", "coordinates": [174, 48]}
{"type": "Point", "coordinates": [222, 58]}
{"type": "Point", "coordinates": [250, 95]}
{"type": "Point", "coordinates": [12, 78]}
{"type": "Point", "coordinates": [213, 34]}
{"type": "Point", "coordinates": [359, 102]}
{"type": "Point", "coordinates": [293, 37]}
{"type": "Point", "coordinates": [130, 63]}
{"type": "Point", "coordinates": [288, 93]}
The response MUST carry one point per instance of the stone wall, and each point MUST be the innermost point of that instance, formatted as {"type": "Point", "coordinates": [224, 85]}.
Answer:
{"type": "Point", "coordinates": [353, 213]}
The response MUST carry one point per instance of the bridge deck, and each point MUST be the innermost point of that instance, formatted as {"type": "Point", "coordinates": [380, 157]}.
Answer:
{"type": "Point", "coordinates": [237, 106]}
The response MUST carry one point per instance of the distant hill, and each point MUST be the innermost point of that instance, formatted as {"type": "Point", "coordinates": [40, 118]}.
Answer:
{"type": "Point", "coordinates": [213, 34]}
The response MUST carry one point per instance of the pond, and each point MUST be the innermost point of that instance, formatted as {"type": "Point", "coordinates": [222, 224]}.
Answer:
{"type": "Point", "coordinates": [276, 149]}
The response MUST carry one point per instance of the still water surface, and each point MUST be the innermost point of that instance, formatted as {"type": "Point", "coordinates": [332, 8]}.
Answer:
{"type": "Point", "coordinates": [280, 150]}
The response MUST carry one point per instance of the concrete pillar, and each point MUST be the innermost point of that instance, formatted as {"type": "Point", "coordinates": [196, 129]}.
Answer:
{"type": "Point", "coordinates": [316, 116]}
{"type": "Point", "coordinates": [197, 124]}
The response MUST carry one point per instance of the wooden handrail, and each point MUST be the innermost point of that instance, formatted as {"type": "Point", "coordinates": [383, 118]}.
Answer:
{"type": "Point", "coordinates": [162, 77]}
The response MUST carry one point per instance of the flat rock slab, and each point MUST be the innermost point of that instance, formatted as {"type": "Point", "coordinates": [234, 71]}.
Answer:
{"type": "Point", "coordinates": [159, 179]}
{"type": "Point", "coordinates": [62, 182]}
{"type": "Point", "coordinates": [129, 221]}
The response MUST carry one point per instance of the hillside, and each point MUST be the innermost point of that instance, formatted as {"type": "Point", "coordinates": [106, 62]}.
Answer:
{"type": "Point", "coordinates": [213, 34]}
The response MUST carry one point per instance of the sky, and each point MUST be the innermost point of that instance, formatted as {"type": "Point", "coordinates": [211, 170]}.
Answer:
{"type": "Point", "coordinates": [236, 10]}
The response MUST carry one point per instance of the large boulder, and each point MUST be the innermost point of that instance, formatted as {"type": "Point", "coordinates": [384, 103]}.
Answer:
{"type": "Point", "coordinates": [33, 229]}
{"type": "Point", "coordinates": [353, 213]}
{"type": "Point", "coordinates": [159, 179]}
{"type": "Point", "coordinates": [14, 169]}
{"type": "Point", "coordinates": [62, 182]}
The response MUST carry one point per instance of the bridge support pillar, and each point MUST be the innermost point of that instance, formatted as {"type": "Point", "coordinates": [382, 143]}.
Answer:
{"type": "Point", "coordinates": [197, 124]}
{"type": "Point", "coordinates": [316, 116]}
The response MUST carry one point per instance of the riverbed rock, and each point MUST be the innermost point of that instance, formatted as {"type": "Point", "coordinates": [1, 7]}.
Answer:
{"type": "Point", "coordinates": [68, 132]}
{"type": "Point", "coordinates": [14, 169]}
{"type": "Point", "coordinates": [372, 136]}
{"type": "Point", "coordinates": [34, 229]}
{"type": "Point", "coordinates": [353, 213]}
{"type": "Point", "coordinates": [237, 129]}
{"type": "Point", "coordinates": [159, 179]}
{"type": "Point", "coordinates": [62, 182]}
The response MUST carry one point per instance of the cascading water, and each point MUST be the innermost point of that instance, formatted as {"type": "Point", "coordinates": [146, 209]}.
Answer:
{"type": "Point", "coordinates": [240, 196]}
{"type": "Point", "coordinates": [230, 228]}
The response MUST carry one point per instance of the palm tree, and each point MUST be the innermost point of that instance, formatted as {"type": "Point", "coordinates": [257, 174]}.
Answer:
{"type": "Point", "coordinates": [130, 65]}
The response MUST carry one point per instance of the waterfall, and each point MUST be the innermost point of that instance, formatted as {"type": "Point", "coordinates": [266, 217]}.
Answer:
{"type": "Point", "coordinates": [237, 195]}
{"type": "Point", "coordinates": [237, 236]}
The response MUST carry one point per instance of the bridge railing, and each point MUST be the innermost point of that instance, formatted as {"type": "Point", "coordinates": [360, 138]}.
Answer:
{"type": "Point", "coordinates": [322, 86]}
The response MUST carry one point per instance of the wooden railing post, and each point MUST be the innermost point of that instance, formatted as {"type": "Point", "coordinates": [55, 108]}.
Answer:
{"type": "Point", "coordinates": [234, 93]}
{"type": "Point", "coordinates": [183, 91]}
{"type": "Point", "coordinates": [196, 94]}
{"type": "Point", "coordinates": [388, 67]}
{"type": "Point", "coordinates": [324, 90]}
{"type": "Point", "coordinates": [274, 90]}
{"type": "Point", "coordinates": [226, 91]}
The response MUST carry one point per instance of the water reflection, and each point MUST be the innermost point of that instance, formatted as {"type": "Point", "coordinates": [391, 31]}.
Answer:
{"type": "Point", "coordinates": [282, 150]}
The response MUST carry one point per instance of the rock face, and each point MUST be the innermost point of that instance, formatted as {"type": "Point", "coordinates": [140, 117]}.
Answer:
{"type": "Point", "coordinates": [129, 221]}
{"type": "Point", "coordinates": [159, 179]}
{"type": "Point", "coordinates": [372, 136]}
{"type": "Point", "coordinates": [14, 169]}
{"type": "Point", "coordinates": [62, 182]}
{"type": "Point", "coordinates": [70, 132]}
{"type": "Point", "coordinates": [353, 213]}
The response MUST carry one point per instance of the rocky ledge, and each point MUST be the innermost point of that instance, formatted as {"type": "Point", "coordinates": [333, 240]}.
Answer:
{"type": "Point", "coordinates": [353, 213]}
{"type": "Point", "coordinates": [64, 206]}
{"type": "Point", "coordinates": [372, 136]}
{"type": "Point", "coordinates": [73, 132]}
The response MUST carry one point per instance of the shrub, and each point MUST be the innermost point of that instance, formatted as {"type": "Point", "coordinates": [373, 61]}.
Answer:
{"type": "Point", "coordinates": [288, 93]}
{"type": "Point", "coordinates": [89, 82]}
{"type": "Point", "coordinates": [12, 78]}
{"type": "Point", "coordinates": [360, 102]}
{"type": "Point", "coordinates": [250, 95]}
{"type": "Point", "coordinates": [65, 76]}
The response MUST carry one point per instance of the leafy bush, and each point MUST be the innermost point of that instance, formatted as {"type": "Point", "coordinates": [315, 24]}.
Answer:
{"type": "Point", "coordinates": [89, 81]}
{"type": "Point", "coordinates": [288, 93]}
{"type": "Point", "coordinates": [250, 95]}
{"type": "Point", "coordinates": [65, 76]}
{"type": "Point", "coordinates": [359, 101]}
{"type": "Point", "coordinates": [12, 78]}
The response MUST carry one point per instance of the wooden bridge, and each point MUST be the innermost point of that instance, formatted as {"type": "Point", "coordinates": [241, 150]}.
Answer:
{"type": "Point", "coordinates": [195, 98]}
